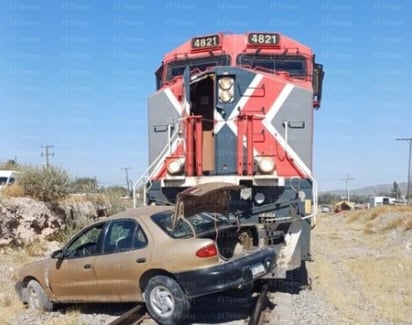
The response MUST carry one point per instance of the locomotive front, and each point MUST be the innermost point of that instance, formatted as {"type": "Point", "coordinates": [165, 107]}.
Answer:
{"type": "Point", "coordinates": [239, 109]}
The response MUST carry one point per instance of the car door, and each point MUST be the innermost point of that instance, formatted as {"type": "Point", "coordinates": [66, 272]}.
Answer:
{"type": "Point", "coordinates": [126, 255]}
{"type": "Point", "coordinates": [73, 277]}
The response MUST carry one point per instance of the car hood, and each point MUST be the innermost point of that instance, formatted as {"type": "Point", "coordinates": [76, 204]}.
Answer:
{"type": "Point", "coordinates": [205, 197]}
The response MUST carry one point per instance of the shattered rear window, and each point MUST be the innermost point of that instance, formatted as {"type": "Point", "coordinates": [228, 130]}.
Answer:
{"type": "Point", "coordinates": [200, 222]}
{"type": "Point", "coordinates": [164, 221]}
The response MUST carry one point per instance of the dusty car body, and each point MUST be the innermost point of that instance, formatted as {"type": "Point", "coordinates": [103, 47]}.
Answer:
{"type": "Point", "coordinates": [161, 255]}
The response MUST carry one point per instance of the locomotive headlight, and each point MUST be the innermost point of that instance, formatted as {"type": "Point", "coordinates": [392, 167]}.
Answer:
{"type": "Point", "coordinates": [225, 83]}
{"type": "Point", "coordinates": [259, 198]}
{"type": "Point", "coordinates": [226, 89]}
{"type": "Point", "coordinates": [266, 165]}
{"type": "Point", "coordinates": [175, 167]}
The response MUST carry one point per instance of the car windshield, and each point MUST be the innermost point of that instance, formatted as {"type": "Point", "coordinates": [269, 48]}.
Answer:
{"type": "Point", "coordinates": [200, 222]}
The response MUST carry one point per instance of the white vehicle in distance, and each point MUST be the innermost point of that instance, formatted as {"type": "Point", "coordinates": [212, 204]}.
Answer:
{"type": "Point", "coordinates": [7, 177]}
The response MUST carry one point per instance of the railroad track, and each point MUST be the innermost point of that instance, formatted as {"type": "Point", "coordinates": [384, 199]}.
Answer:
{"type": "Point", "coordinates": [256, 318]}
{"type": "Point", "coordinates": [138, 314]}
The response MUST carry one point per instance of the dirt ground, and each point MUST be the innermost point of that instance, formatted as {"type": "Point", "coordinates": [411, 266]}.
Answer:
{"type": "Point", "coordinates": [363, 265]}
{"type": "Point", "coordinates": [361, 274]}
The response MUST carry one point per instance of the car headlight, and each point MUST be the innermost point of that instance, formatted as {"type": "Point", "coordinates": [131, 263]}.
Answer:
{"type": "Point", "coordinates": [266, 165]}
{"type": "Point", "coordinates": [226, 89]}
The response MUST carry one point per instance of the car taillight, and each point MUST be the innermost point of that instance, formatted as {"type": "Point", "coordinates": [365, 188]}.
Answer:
{"type": "Point", "coordinates": [207, 251]}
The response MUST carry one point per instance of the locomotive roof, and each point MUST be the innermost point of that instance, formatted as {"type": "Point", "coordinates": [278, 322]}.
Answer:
{"type": "Point", "coordinates": [234, 44]}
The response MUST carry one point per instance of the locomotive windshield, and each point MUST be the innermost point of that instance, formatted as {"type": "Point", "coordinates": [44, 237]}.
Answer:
{"type": "Point", "coordinates": [176, 68]}
{"type": "Point", "coordinates": [294, 65]}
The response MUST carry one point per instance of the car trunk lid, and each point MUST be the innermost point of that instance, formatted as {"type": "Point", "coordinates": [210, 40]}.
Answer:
{"type": "Point", "coordinates": [205, 197]}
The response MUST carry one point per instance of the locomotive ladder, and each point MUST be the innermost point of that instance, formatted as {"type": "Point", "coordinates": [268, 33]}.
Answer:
{"type": "Point", "coordinates": [145, 179]}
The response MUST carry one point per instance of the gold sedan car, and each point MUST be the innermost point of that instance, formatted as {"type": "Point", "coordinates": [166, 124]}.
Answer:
{"type": "Point", "coordinates": [163, 256]}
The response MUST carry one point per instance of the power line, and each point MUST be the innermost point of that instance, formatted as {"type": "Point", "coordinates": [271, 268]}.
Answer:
{"type": "Point", "coordinates": [47, 154]}
{"type": "Point", "coordinates": [347, 179]}
{"type": "Point", "coordinates": [409, 166]}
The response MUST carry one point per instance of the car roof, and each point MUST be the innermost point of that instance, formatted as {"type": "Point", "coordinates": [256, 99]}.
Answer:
{"type": "Point", "coordinates": [141, 212]}
{"type": "Point", "coordinates": [7, 173]}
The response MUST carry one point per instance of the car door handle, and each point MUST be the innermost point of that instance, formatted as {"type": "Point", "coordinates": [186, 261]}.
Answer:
{"type": "Point", "coordinates": [141, 260]}
{"type": "Point", "coordinates": [87, 266]}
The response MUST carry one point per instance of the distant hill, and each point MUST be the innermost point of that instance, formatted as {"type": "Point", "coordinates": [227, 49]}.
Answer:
{"type": "Point", "coordinates": [369, 190]}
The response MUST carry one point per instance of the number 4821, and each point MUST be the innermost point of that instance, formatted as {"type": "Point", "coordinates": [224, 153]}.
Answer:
{"type": "Point", "coordinates": [257, 38]}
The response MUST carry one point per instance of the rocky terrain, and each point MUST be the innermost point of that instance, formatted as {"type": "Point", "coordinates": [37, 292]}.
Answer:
{"type": "Point", "coordinates": [24, 219]}
{"type": "Point", "coordinates": [361, 274]}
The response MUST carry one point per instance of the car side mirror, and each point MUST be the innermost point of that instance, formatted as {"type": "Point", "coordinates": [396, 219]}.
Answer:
{"type": "Point", "coordinates": [58, 254]}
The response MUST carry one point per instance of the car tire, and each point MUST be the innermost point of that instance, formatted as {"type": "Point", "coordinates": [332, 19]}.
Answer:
{"type": "Point", "coordinates": [37, 297]}
{"type": "Point", "coordinates": [165, 300]}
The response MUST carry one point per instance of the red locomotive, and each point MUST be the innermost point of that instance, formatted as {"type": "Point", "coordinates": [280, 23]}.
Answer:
{"type": "Point", "coordinates": [239, 109]}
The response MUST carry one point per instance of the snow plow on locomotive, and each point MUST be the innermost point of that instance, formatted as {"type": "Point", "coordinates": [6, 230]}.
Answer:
{"type": "Point", "coordinates": [239, 109]}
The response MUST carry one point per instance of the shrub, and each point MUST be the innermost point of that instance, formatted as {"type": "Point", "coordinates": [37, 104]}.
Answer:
{"type": "Point", "coordinates": [35, 248]}
{"type": "Point", "coordinates": [84, 185]}
{"type": "Point", "coordinates": [9, 165]}
{"type": "Point", "coordinates": [117, 201]}
{"type": "Point", "coordinates": [73, 225]}
{"type": "Point", "coordinates": [14, 190]}
{"type": "Point", "coordinates": [47, 184]}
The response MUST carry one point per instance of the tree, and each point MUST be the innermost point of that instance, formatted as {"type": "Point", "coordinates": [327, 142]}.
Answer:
{"type": "Point", "coordinates": [45, 184]}
{"type": "Point", "coordinates": [84, 185]}
{"type": "Point", "coordinates": [328, 198]}
{"type": "Point", "coordinates": [11, 164]}
{"type": "Point", "coordinates": [395, 191]}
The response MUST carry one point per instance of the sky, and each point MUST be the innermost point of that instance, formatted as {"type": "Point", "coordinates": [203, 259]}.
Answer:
{"type": "Point", "coordinates": [76, 75]}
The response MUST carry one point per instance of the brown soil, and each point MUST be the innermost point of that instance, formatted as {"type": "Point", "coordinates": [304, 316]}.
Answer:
{"type": "Point", "coordinates": [363, 265]}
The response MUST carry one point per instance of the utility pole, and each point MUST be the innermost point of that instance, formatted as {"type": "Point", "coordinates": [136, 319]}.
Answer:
{"type": "Point", "coordinates": [347, 179]}
{"type": "Point", "coordinates": [126, 169]}
{"type": "Point", "coordinates": [409, 166]}
{"type": "Point", "coordinates": [47, 154]}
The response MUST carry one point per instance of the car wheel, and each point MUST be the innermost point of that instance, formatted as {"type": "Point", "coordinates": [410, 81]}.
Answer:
{"type": "Point", "coordinates": [37, 297]}
{"type": "Point", "coordinates": [165, 300]}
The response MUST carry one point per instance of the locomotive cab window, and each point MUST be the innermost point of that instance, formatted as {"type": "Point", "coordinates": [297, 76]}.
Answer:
{"type": "Point", "coordinates": [294, 65]}
{"type": "Point", "coordinates": [177, 68]}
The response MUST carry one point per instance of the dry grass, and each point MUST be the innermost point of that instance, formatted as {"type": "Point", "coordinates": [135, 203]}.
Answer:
{"type": "Point", "coordinates": [372, 272]}
{"type": "Point", "coordinates": [13, 190]}
{"type": "Point", "coordinates": [393, 224]}
{"type": "Point", "coordinates": [10, 261]}
{"type": "Point", "coordinates": [408, 224]}
{"type": "Point", "coordinates": [369, 229]}
{"type": "Point", "coordinates": [382, 281]}
{"type": "Point", "coordinates": [380, 219]}
{"type": "Point", "coordinates": [10, 305]}
{"type": "Point", "coordinates": [36, 248]}
{"type": "Point", "coordinates": [352, 216]}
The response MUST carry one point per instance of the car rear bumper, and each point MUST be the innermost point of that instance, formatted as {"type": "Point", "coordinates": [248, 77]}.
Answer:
{"type": "Point", "coordinates": [235, 273]}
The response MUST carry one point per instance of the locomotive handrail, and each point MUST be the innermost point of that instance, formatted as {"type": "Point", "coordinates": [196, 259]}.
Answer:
{"type": "Point", "coordinates": [148, 173]}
